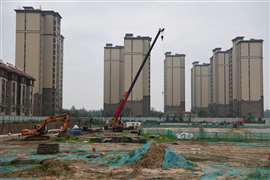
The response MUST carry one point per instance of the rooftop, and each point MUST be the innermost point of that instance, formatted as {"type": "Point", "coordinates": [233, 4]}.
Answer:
{"type": "Point", "coordinates": [13, 69]}
{"type": "Point", "coordinates": [110, 46]}
{"type": "Point", "coordinates": [196, 63]}
{"type": "Point", "coordinates": [130, 36]}
{"type": "Point", "coordinates": [169, 54]}
{"type": "Point", "coordinates": [30, 9]}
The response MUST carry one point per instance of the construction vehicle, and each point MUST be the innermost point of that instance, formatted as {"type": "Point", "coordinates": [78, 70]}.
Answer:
{"type": "Point", "coordinates": [117, 124]}
{"type": "Point", "coordinates": [39, 130]}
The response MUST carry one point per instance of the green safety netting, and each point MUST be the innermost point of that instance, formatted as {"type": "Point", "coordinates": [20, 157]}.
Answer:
{"type": "Point", "coordinates": [201, 134]}
{"type": "Point", "coordinates": [213, 171]}
{"type": "Point", "coordinates": [170, 159]}
{"type": "Point", "coordinates": [133, 157]}
{"type": "Point", "coordinates": [173, 160]}
{"type": "Point", "coordinates": [217, 170]}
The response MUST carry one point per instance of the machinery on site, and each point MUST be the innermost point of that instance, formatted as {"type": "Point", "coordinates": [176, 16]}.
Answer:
{"type": "Point", "coordinates": [117, 124]}
{"type": "Point", "coordinates": [40, 130]}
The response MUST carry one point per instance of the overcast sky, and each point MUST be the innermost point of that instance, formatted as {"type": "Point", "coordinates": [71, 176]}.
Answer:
{"type": "Point", "coordinates": [192, 28]}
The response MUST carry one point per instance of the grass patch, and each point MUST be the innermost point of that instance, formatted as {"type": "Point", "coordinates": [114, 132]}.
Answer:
{"type": "Point", "coordinates": [259, 173]}
{"type": "Point", "coordinates": [67, 139]}
{"type": "Point", "coordinates": [160, 138]}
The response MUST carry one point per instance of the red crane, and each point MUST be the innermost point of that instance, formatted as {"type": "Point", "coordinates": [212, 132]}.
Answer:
{"type": "Point", "coordinates": [117, 124]}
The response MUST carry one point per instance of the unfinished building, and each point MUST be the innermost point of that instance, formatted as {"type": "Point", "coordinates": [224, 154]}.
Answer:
{"type": "Point", "coordinates": [174, 83]}
{"type": "Point", "coordinates": [200, 88]}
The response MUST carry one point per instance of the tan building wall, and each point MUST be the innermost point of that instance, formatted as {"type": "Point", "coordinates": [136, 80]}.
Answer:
{"type": "Point", "coordinates": [113, 77]}
{"type": "Point", "coordinates": [135, 50]}
{"type": "Point", "coordinates": [248, 91]}
{"type": "Point", "coordinates": [236, 81]}
{"type": "Point", "coordinates": [220, 83]}
{"type": "Point", "coordinates": [200, 87]}
{"type": "Point", "coordinates": [174, 83]}
{"type": "Point", "coordinates": [39, 52]}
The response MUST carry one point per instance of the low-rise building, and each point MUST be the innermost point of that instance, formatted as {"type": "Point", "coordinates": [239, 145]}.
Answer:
{"type": "Point", "coordinates": [16, 91]}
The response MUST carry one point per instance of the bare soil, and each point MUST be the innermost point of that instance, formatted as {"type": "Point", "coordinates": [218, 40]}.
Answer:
{"type": "Point", "coordinates": [246, 155]}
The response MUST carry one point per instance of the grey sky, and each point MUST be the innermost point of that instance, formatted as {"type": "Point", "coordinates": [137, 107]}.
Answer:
{"type": "Point", "coordinates": [192, 28]}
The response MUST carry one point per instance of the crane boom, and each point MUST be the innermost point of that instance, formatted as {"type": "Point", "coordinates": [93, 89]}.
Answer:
{"type": "Point", "coordinates": [116, 122]}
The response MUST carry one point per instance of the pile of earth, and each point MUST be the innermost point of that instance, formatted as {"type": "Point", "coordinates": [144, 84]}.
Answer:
{"type": "Point", "coordinates": [153, 158]}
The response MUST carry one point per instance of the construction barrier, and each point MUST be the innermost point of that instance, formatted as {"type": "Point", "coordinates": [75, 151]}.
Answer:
{"type": "Point", "coordinates": [203, 135]}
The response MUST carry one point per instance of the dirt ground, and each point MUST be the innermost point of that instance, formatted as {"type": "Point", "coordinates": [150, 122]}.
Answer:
{"type": "Point", "coordinates": [204, 154]}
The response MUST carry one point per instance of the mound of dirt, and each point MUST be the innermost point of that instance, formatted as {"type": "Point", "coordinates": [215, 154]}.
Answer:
{"type": "Point", "coordinates": [153, 158]}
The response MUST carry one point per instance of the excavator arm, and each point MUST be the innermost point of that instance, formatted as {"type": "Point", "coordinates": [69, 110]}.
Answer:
{"type": "Point", "coordinates": [39, 129]}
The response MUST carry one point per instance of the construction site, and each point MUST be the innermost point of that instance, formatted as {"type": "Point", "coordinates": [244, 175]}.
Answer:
{"type": "Point", "coordinates": [223, 135]}
{"type": "Point", "coordinates": [198, 151]}
{"type": "Point", "coordinates": [63, 147]}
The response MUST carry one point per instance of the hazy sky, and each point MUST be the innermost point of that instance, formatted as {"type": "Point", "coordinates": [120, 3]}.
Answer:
{"type": "Point", "coordinates": [193, 28]}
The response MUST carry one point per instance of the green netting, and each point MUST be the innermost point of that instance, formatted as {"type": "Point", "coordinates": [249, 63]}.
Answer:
{"type": "Point", "coordinates": [74, 151]}
{"type": "Point", "coordinates": [211, 136]}
{"type": "Point", "coordinates": [213, 171]}
{"type": "Point", "coordinates": [243, 144]}
{"type": "Point", "coordinates": [14, 168]}
{"type": "Point", "coordinates": [259, 173]}
{"type": "Point", "coordinates": [217, 170]}
{"type": "Point", "coordinates": [17, 178]}
{"type": "Point", "coordinates": [173, 160]}
{"type": "Point", "coordinates": [232, 136]}
{"type": "Point", "coordinates": [7, 159]}
{"type": "Point", "coordinates": [133, 157]}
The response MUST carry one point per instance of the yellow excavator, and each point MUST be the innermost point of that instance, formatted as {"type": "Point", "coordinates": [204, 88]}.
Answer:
{"type": "Point", "coordinates": [39, 130]}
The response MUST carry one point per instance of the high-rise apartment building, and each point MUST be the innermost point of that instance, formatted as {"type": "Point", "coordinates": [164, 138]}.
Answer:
{"type": "Point", "coordinates": [39, 52]}
{"type": "Point", "coordinates": [200, 88]}
{"type": "Point", "coordinates": [247, 77]}
{"type": "Point", "coordinates": [219, 83]}
{"type": "Point", "coordinates": [113, 77]}
{"type": "Point", "coordinates": [174, 83]}
{"type": "Point", "coordinates": [135, 50]}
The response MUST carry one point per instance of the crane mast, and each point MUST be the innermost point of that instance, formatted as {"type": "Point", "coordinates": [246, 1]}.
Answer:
{"type": "Point", "coordinates": [117, 125]}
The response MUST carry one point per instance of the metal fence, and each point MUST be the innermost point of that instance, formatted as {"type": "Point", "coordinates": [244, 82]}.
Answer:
{"type": "Point", "coordinates": [20, 119]}
{"type": "Point", "coordinates": [219, 136]}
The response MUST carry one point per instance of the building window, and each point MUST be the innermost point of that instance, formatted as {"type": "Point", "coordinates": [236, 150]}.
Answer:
{"type": "Point", "coordinates": [13, 92]}
{"type": "Point", "coordinates": [3, 91]}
